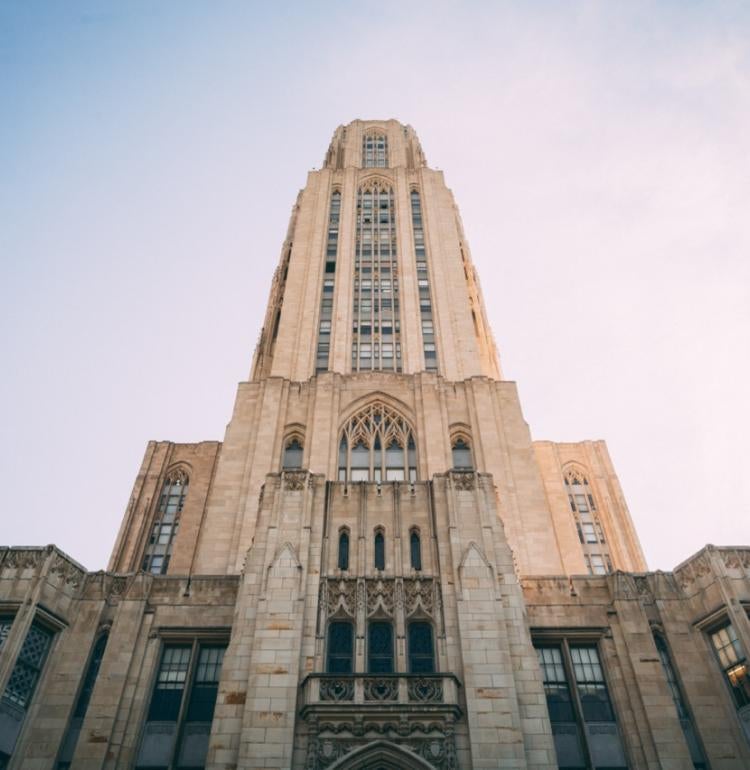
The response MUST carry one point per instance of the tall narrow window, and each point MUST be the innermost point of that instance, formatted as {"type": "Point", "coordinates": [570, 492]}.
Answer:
{"type": "Point", "coordinates": [380, 648]}
{"type": "Point", "coordinates": [415, 550]}
{"type": "Point", "coordinates": [733, 663]}
{"type": "Point", "coordinates": [292, 455]}
{"type": "Point", "coordinates": [6, 623]}
{"type": "Point", "coordinates": [580, 711]}
{"type": "Point", "coordinates": [683, 713]}
{"type": "Point", "coordinates": [73, 732]}
{"type": "Point", "coordinates": [340, 651]}
{"type": "Point", "coordinates": [25, 675]}
{"type": "Point", "coordinates": [376, 331]}
{"type": "Point", "coordinates": [423, 285]}
{"type": "Point", "coordinates": [376, 444]}
{"type": "Point", "coordinates": [182, 706]}
{"type": "Point", "coordinates": [421, 648]}
{"type": "Point", "coordinates": [374, 151]}
{"type": "Point", "coordinates": [159, 548]}
{"type": "Point", "coordinates": [379, 550]}
{"type": "Point", "coordinates": [590, 533]}
{"type": "Point", "coordinates": [344, 550]}
{"type": "Point", "coordinates": [323, 352]}
{"type": "Point", "coordinates": [21, 686]}
{"type": "Point", "coordinates": [461, 455]}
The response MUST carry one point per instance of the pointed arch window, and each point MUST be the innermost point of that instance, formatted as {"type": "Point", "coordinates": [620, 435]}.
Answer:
{"type": "Point", "coordinates": [164, 531]}
{"type": "Point", "coordinates": [678, 698]}
{"type": "Point", "coordinates": [421, 648]}
{"type": "Point", "coordinates": [343, 560]}
{"type": "Point", "coordinates": [461, 452]}
{"type": "Point", "coordinates": [415, 550]}
{"type": "Point", "coordinates": [82, 704]}
{"type": "Point", "coordinates": [585, 514]}
{"type": "Point", "coordinates": [379, 549]}
{"type": "Point", "coordinates": [377, 444]}
{"type": "Point", "coordinates": [374, 151]}
{"type": "Point", "coordinates": [292, 454]}
{"type": "Point", "coordinates": [380, 648]}
{"type": "Point", "coordinates": [340, 654]}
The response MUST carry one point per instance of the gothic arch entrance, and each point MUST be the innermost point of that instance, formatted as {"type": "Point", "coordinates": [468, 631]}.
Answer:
{"type": "Point", "coordinates": [381, 755]}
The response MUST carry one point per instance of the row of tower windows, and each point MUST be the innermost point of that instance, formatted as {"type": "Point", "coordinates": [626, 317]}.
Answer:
{"type": "Point", "coordinates": [380, 651]}
{"type": "Point", "coordinates": [415, 550]}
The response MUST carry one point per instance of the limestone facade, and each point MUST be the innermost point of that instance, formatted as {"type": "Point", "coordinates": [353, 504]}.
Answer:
{"type": "Point", "coordinates": [377, 566]}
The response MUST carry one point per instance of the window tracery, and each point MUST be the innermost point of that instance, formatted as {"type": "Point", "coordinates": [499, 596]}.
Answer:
{"type": "Point", "coordinates": [164, 531]}
{"type": "Point", "coordinates": [590, 532]}
{"type": "Point", "coordinates": [374, 151]}
{"type": "Point", "coordinates": [377, 444]}
{"type": "Point", "coordinates": [376, 339]}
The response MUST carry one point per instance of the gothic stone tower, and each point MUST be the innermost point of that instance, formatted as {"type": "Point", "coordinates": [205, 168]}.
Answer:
{"type": "Point", "coordinates": [377, 567]}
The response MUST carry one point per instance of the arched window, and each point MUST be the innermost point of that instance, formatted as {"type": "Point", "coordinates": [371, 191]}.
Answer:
{"type": "Point", "coordinates": [374, 151]}
{"type": "Point", "coordinates": [344, 550]}
{"type": "Point", "coordinates": [159, 547]}
{"type": "Point", "coordinates": [461, 454]}
{"type": "Point", "coordinates": [421, 648]}
{"type": "Point", "coordinates": [590, 533]}
{"type": "Point", "coordinates": [82, 703]}
{"type": "Point", "coordinates": [415, 550]}
{"type": "Point", "coordinates": [377, 444]}
{"type": "Point", "coordinates": [379, 549]}
{"type": "Point", "coordinates": [292, 454]}
{"type": "Point", "coordinates": [678, 698]}
{"type": "Point", "coordinates": [340, 647]}
{"type": "Point", "coordinates": [380, 648]}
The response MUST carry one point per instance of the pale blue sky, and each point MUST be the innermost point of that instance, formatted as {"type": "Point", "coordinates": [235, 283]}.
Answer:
{"type": "Point", "coordinates": [150, 153]}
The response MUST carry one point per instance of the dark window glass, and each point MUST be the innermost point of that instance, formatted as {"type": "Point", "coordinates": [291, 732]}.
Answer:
{"type": "Point", "coordinates": [340, 648]}
{"type": "Point", "coordinates": [379, 550]}
{"type": "Point", "coordinates": [421, 649]}
{"type": "Point", "coordinates": [344, 550]}
{"type": "Point", "coordinates": [170, 684]}
{"type": "Point", "coordinates": [733, 663]}
{"type": "Point", "coordinates": [592, 689]}
{"type": "Point", "coordinates": [559, 701]}
{"type": "Point", "coordinates": [415, 548]}
{"type": "Point", "coordinates": [205, 684]}
{"type": "Point", "coordinates": [461, 454]}
{"type": "Point", "coordinates": [380, 648]}
{"type": "Point", "coordinates": [28, 667]}
{"type": "Point", "coordinates": [91, 673]}
{"type": "Point", "coordinates": [293, 455]}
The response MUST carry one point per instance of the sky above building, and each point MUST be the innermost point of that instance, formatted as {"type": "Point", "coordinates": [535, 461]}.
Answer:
{"type": "Point", "coordinates": [150, 154]}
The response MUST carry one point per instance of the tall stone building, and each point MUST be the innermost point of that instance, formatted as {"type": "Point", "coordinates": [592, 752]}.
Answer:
{"type": "Point", "coordinates": [377, 567]}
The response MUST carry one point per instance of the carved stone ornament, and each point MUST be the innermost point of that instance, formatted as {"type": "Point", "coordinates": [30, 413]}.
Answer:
{"type": "Point", "coordinates": [294, 481]}
{"type": "Point", "coordinates": [380, 595]}
{"type": "Point", "coordinates": [426, 690]}
{"type": "Point", "coordinates": [463, 481]}
{"type": "Point", "coordinates": [68, 572]}
{"type": "Point", "coordinates": [341, 595]}
{"type": "Point", "coordinates": [335, 689]}
{"type": "Point", "coordinates": [380, 688]}
{"type": "Point", "coordinates": [21, 558]}
{"type": "Point", "coordinates": [419, 594]}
